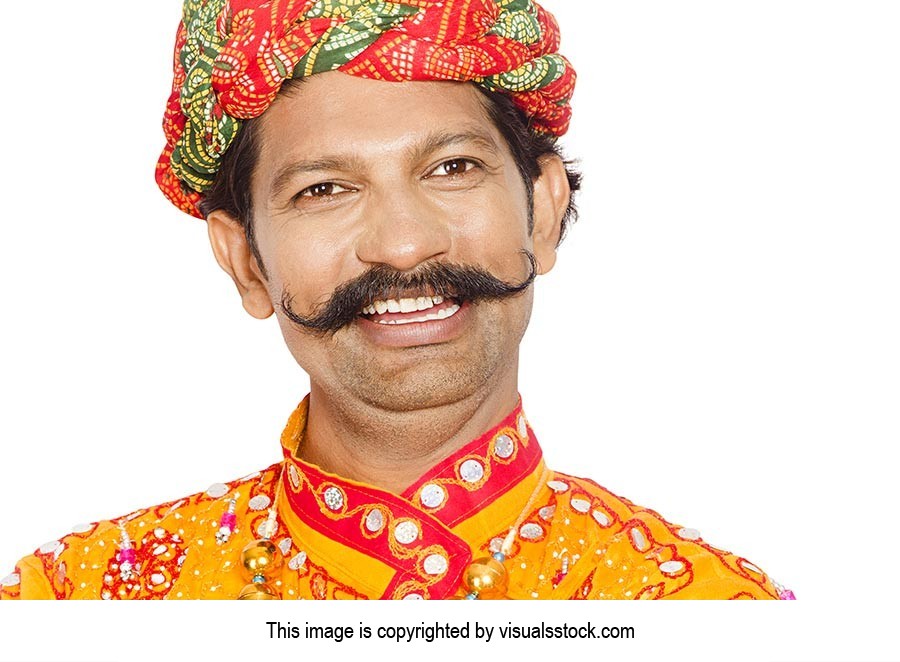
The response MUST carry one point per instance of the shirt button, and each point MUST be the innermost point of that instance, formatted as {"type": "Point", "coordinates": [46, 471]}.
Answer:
{"type": "Point", "coordinates": [471, 471]}
{"type": "Point", "coordinates": [406, 532]}
{"type": "Point", "coordinates": [432, 495]}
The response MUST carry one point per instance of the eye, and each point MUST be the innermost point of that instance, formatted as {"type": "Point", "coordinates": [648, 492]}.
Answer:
{"type": "Point", "coordinates": [321, 190]}
{"type": "Point", "coordinates": [453, 167]}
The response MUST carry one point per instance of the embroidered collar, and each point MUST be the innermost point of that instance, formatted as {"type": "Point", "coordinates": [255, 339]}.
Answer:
{"type": "Point", "coordinates": [416, 544]}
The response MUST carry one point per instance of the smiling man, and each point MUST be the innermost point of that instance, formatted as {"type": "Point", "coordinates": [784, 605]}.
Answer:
{"type": "Point", "coordinates": [382, 177]}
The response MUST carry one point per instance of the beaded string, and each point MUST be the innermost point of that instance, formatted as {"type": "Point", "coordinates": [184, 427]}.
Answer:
{"type": "Point", "coordinates": [486, 577]}
{"type": "Point", "coordinates": [228, 522]}
{"type": "Point", "coordinates": [126, 556]}
{"type": "Point", "coordinates": [260, 559]}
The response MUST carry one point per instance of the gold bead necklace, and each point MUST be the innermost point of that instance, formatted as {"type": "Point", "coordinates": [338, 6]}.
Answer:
{"type": "Point", "coordinates": [260, 559]}
{"type": "Point", "coordinates": [486, 578]}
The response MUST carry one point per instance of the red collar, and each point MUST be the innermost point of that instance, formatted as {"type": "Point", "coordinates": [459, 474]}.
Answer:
{"type": "Point", "coordinates": [413, 533]}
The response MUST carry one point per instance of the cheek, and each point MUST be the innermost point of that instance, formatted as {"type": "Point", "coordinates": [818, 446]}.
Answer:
{"type": "Point", "coordinates": [493, 225]}
{"type": "Point", "coordinates": [308, 266]}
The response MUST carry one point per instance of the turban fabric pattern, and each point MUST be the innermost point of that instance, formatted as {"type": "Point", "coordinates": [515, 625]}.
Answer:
{"type": "Point", "coordinates": [231, 57]}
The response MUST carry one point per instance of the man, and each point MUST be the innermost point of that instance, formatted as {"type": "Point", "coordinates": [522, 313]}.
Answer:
{"type": "Point", "coordinates": [382, 177]}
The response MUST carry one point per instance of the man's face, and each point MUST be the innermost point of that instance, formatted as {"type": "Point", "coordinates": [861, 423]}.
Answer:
{"type": "Point", "coordinates": [354, 174]}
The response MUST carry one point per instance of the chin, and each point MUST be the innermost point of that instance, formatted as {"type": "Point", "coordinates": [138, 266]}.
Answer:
{"type": "Point", "coordinates": [424, 386]}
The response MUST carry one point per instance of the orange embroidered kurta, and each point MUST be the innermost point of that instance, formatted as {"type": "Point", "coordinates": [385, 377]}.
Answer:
{"type": "Point", "coordinates": [342, 539]}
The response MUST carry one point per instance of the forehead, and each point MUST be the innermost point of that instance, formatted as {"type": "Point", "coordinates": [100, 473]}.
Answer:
{"type": "Point", "coordinates": [334, 111]}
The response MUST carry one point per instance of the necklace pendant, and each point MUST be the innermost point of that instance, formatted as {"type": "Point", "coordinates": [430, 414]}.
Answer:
{"type": "Point", "coordinates": [261, 561]}
{"type": "Point", "coordinates": [486, 579]}
{"type": "Point", "coordinates": [255, 591]}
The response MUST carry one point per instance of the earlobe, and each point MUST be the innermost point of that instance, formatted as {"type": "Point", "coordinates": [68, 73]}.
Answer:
{"type": "Point", "coordinates": [232, 252]}
{"type": "Point", "coordinates": [551, 199]}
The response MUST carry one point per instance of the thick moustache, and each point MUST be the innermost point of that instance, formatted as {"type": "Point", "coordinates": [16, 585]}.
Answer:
{"type": "Point", "coordinates": [385, 296]}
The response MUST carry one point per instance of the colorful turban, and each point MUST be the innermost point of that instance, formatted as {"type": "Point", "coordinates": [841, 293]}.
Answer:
{"type": "Point", "coordinates": [231, 57]}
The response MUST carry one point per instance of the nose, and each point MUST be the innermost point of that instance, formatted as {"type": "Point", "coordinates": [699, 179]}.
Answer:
{"type": "Point", "coordinates": [403, 229]}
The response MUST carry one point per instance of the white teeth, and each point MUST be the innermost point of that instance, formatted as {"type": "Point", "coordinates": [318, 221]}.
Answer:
{"type": "Point", "coordinates": [444, 313]}
{"type": "Point", "coordinates": [405, 305]}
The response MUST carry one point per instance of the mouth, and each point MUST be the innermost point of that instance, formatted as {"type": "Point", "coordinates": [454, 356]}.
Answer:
{"type": "Point", "coordinates": [406, 321]}
{"type": "Point", "coordinates": [411, 310]}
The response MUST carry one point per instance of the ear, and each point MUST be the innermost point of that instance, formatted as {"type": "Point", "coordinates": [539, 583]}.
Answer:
{"type": "Point", "coordinates": [551, 199]}
{"type": "Point", "coordinates": [229, 245]}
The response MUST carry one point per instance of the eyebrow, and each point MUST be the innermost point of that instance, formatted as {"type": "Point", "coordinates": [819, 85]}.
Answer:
{"type": "Point", "coordinates": [287, 173]}
{"type": "Point", "coordinates": [441, 139]}
{"type": "Point", "coordinates": [432, 143]}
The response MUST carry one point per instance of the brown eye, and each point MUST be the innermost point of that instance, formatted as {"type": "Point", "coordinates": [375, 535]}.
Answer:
{"type": "Point", "coordinates": [318, 190]}
{"type": "Point", "coordinates": [453, 167]}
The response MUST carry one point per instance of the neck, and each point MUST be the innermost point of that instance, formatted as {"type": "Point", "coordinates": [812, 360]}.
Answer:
{"type": "Point", "coordinates": [392, 449]}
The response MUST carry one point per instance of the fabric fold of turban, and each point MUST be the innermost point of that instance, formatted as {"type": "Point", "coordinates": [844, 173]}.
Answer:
{"type": "Point", "coordinates": [231, 57]}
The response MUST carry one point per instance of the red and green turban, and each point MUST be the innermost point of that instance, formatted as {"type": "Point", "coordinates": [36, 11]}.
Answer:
{"type": "Point", "coordinates": [231, 57]}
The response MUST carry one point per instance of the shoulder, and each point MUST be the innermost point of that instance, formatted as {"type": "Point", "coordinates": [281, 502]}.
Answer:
{"type": "Point", "coordinates": [635, 553]}
{"type": "Point", "coordinates": [88, 561]}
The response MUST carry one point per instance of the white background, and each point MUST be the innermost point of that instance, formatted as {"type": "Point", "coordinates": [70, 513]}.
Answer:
{"type": "Point", "coordinates": [718, 341]}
